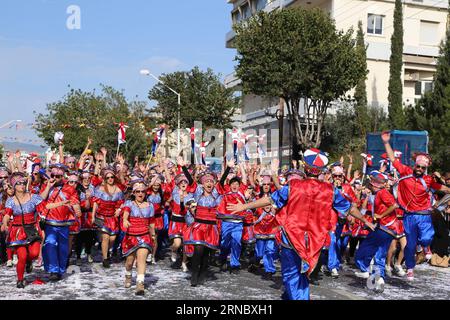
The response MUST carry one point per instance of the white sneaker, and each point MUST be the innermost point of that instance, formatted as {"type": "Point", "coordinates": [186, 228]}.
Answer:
{"type": "Point", "coordinates": [379, 285]}
{"type": "Point", "coordinates": [149, 258]}
{"type": "Point", "coordinates": [15, 260]}
{"type": "Point", "coordinates": [324, 269]}
{"type": "Point", "coordinates": [90, 259]}
{"type": "Point", "coordinates": [9, 263]}
{"type": "Point", "coordinates": [388, 271]}
{"type": "Point", "coordinates": [334, 273]}
{"type": "Point", "coordinates": [399, 270]}
{"type": "Point", "coordinates": [184, 267]}
{"type": "Point", "coordinates": [364, 275]}
{"type": "Point", "coordinates": [173, 257]}
{"type": "Point", "coordinates": [410, 275]}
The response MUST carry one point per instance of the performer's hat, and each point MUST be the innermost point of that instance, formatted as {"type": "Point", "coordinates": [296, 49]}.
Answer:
{"type": "Point", "coordinates": [378, 179]}
{"type": "Point", "coordinates": [422, 159]}
{"type": "Point", "coordinates": [295, 174]}
{"type": "Point", "coordinates": [315, 161]}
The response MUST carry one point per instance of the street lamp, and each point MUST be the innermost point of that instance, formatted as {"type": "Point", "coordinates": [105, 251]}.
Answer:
{"type": "Point", "coordinates": [146, 72]}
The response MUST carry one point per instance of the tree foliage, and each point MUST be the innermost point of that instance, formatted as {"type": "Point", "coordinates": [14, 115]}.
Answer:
{"type": "Point", "coordinates": [395, 87]}
{"type": "Point", "coordinates": [297, 53]}
{"type": "Point", "coordinates": [203, 98]}
{"type": "Point", "coordinates": [343, 135]}
{"type": "Point", "coordinates": [81, 114]}
{"type": "Point", "coordinates": [432, 112]}
{"type": "Point", "coordinates": [361, 110]}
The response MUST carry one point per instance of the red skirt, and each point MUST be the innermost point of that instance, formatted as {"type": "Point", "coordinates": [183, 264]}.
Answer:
{"type": "Point", "coordinates": [176, 229]}
{"type": "Point", "coordinates": [86, 221]}
{"type": "Point", "coordinates": [108, 225]}
{"type": "Point", "coordinates": [396, 229]}
{"type": "Point", "coordinates": [202, 234]}
{"type": "Point", "coordinates": [75, 227]}
{"type": "Point", "coordinates": [132, 243]}
{"type": "Point", "coordinates": [18, 237]}
{"type": "Point", "coordinates": [159, 222]}
{"type": "Point", "coordinates": [248, 234]}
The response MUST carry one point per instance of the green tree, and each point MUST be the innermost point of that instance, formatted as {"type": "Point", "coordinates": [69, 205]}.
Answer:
{"type": "Point", "coordinates": [297, 54]}
{"type": "Point", "coordinates": [395, 87]}
{"type": "Point", "coordinates": [81, 114]}
{"type": "Point", "coordinates": [343, 135]}
{"type": "Point", "coordinates": [203, 98]}
{"type": "Point", "coordinates": [361, 111]}
{"type": "Point", "coordinates": [432, 112]}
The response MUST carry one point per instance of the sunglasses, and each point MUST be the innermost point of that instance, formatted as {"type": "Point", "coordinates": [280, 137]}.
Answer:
{"type": "Point", "coordinates": [139, 191]}
{"type": "Point", "coordinates": [72, 182]}
{"type": "Point", "coordinates": [337, 175]}
{"type": "Point", "coordinates": [266, 184]}
{"type": "Point", "coordinates": [56, 176]}
{"type": "Point", "coordinates": [421, 167]}
{"type": "Point", "coordinates": [71, 162]}
{"type": "Point", "coordinates": [110, 177]}
{"type": "Point", "coordinates": [21, 183]}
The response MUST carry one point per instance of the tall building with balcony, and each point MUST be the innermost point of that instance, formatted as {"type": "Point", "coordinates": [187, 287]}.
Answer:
{"type": "Point", "coordinates": [424, 23]}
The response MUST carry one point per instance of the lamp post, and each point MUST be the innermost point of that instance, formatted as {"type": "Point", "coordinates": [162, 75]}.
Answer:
{"type": "Point", "coordinates": [146, 72]}
{"type": "Point", "coordinates": [8, 123]}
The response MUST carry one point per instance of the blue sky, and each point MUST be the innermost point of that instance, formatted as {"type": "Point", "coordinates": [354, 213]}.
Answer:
{"type": "Point", "coordinates": [40, 56]}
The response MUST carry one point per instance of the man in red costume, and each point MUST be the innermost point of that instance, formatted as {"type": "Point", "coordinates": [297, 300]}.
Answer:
{"type": "Point", "coordinates": [305, 221]}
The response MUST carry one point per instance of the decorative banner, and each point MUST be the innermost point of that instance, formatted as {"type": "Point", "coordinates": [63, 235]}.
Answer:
{"type": "Point", "coordinates": [121, 138]}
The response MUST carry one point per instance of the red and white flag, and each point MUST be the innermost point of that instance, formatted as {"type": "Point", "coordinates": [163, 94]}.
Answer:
{"type": "Point", "coordinates": [122, 135]}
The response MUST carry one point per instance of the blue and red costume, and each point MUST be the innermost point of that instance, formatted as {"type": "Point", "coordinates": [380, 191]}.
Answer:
{"type": "Point", "coordinates": [105, 218]}
{"type": "Point", "coordinates": [204, 230]}
{"type": "Point", "coordinates": [137, 235]}
{"type": "Point", "coordinates": [231, 224]}
{"type": "Point", "coordinates": [414, 197]}
{"type": "Point", "coordinates": [55, 250]}
{"type": "Point", "coordinates": [305, 224]}
{"type": "Point", "coordinates": [377, 243]}
{"type": "Point", "coordinates": [266, 228]}
{"type": "Point", "coordinates": [24, 214]}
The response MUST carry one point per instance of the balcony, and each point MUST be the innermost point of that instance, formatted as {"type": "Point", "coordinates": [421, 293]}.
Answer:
{"type": "Point", "coordinates": [232, 81]}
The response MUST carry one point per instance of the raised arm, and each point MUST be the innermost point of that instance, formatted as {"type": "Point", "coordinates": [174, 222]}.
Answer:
{"type": "Point", "coordinates": [386, 137]}
{"type": "Point", "coordinates": [182, 164]}
{"type": "Point", "coordinates": [243, 172]}
{"type": "Point", "coordinates": [274, 168]}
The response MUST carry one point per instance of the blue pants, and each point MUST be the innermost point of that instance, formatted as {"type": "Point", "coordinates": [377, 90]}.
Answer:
{"type": "Point", "coordinates": [419, 230]}
{"type": "Point", "coordinates": [343, 244]}
{"type": "Point", "coordinates": [295, 283]}
{"type": "Point", "coordinates": [376, 245]}
{"type": "Point", "coordinates": [267, 250]}
{"type": "Point", "coordinates": [334, 252]}
{"type": "Point", "coordinates": [231, 235]}
{"type": "Point", "coordinates": [55, 250]}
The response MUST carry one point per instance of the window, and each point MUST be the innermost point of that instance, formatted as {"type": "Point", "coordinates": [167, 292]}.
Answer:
{"type": "Point", "coordinates": [429, 32]}
{"type": "Point", "coordinates": [246, 11]}
{"type": "Point", "coordinates": [422, 87]}
{"type": "Point", "coordinates": [261, 4]}
{"type": "Point", "coordinates": [374, 24]}
{"type": "Point", "coordinates": [236, 16]}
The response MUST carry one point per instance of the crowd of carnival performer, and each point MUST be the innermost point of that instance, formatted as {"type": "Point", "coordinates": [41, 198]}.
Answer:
{"type": "Point", "coordinates": [311, 219]}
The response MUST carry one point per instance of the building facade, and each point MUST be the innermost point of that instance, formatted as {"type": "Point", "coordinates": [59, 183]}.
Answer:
{"type": "Point", "coordinates": [424, 24]}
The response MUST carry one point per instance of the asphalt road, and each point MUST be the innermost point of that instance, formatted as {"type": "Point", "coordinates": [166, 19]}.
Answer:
{"type": "Point", "coordinates": [92, 282]}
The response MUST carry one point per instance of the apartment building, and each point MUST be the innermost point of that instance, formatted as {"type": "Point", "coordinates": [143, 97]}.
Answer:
{"type": "Point", "coordinates": [424, 23]}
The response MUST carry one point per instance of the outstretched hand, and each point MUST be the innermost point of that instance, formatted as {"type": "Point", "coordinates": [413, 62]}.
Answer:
{"type": "Point", "coordinates": [231, 163]}
{"type": "Point", "coordinates": [386, 136]}
{"type": "Point", "coordinates": [274, 166]}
